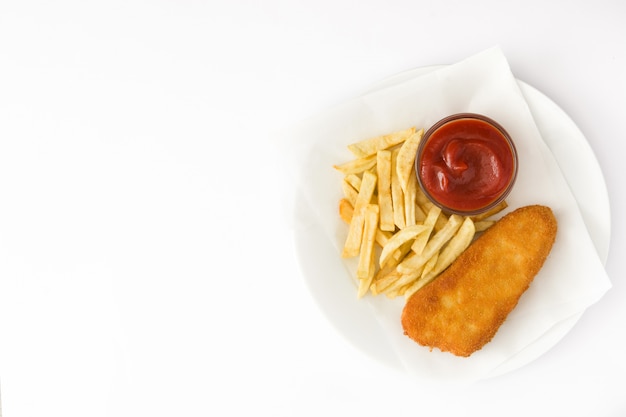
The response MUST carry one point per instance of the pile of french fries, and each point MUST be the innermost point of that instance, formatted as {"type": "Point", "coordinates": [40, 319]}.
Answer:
{"type": "Point", "coordinates": [402, 240]}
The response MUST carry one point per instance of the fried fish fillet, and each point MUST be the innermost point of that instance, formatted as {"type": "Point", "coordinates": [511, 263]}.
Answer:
{"type": "Point", "coordinates": [463, 309]}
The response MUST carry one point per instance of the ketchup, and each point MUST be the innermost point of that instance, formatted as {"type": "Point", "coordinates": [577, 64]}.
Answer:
{"type": "Point", "coordinates": [466, 163]}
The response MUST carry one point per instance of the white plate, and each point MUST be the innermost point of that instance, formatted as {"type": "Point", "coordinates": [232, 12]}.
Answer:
{"type": "Point", "coordinates": [355, 319]}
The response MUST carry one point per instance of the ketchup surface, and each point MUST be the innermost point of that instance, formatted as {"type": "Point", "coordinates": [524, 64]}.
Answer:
{"type": "Point", "coordinates": [466, 164]}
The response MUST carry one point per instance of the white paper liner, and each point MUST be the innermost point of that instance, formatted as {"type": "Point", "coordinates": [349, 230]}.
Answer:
{"type": "Point", "coordinates": [573, 276]}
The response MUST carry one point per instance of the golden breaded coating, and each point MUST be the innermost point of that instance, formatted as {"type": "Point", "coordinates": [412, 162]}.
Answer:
{"type": "Point", "coordinates": [463, 309]}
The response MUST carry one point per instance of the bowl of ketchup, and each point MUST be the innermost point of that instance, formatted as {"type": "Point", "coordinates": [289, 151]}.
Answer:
{"type": "Point", "coordinates": [466, 164]}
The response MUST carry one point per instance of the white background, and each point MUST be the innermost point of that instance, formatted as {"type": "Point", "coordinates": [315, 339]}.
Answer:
{"type": "Point", "coordinates": [145, 264]}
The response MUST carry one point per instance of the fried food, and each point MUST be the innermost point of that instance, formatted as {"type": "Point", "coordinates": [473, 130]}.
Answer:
{"type": "Point", "coordinates": [405, 163]}
{"type": "Point", "coordinates": [368, 147]}
{"type": "Point", "coordinates": [464, 307]}
{"type": "Point", "coordinates": [414, 238]}
{"type": "Point", "coordinates": [355, 232]}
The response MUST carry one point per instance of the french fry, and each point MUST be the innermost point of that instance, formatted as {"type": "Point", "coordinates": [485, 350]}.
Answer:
{"type": "Point", "coordinates": [483, 225]}
{"type": "Point", "coordinates": [493, 211]}
{"type": "Point", "coordinates": [411, 263]}
{"type": "Point", "coordinates": [386, 281]}
{"type": "Point", "coordinates": [404, 279]}
{"type": "Point", "coordinates": [357, 166]}
{"type": "Point", "coordinates": [429, 266]}
{"type": "Point", "coordinates": [448, 254]}
{"type": "Point", "coordinates": [366, 267]}
{"type": "Point", "coordinates": [366, 253]}
{"type": "Point", "coordinates": [422, 200]}
{"type": "Point", "coordinates": [364, 284]}
{"type": "Point", "coordinates": [406, 158]}
{"type": "Point", "coordinates": [346, 211]}
{"type": "Point", "coordinates": [431, 218]}
{"type": "Point", "coordinates": [420, 215]}
{"type": "Point", "coordinates": [399, 254]}
{"type": "Point", "coordinates": [355, 231]}
{"type": "Point", "coordinates": [397, 196]}
{"type": "Point", "coordinates": [355, 234]}
{"type": "Point", "coordinates": [380, 275]}
{"type": "Point", "coordinates": [383, 166]}
{"type": "Point", "coordinates": [352, 185]}
{"type": "Point", "coordinates": [368, 147]}
{"type": "Point", "coordinates": [425, 204]}
{"type": "Point", "coordinates": [396, 292]}
{"type": "Point", "coordinates": [410, 207]}
{"type": "Point", "coordinates": [454, 248]}
{"type": "Point", "coordinates": [397, 240]}
{"type": "Point", "coordinates": [383, 204]}
{"type": "Point", "coordinates": [354, 181]}
{"type": "Point", "coordinates": [441, 222]}
{"type": "Point", "coordinates": [349, 192]}
{"type": "Point", "coordinates": [413, 288]}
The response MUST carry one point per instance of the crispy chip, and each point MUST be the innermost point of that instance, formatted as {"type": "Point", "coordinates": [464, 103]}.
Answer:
{"type": "Point", "coordinates": [495, 210]}
{"type": "Point", "coordinates": [410, 207]}
{"type": "Point", "coordinates": [448, 254]}
{"type": "Point", "coordinates": [483, 225]}
{"type": "Point", "coordinates": [454, 247]}
{"type": "Point", "coordinates": [349, 192]}
{"type": "Point", "coordinates": [397, 240]}
{"type": "Point", "coordinates": [393, 293]}
{"type": "Point", "coordinates": [357, 166]}
{"type": "Point", "coordinates": [345, 212]}
{"type": "Point", "coordinates": [425, 204]}
{"type": "Point", "coordinates": [429, 266]}
{"type": "Point", "coordinates": [420, 215]}
{"type": "Point", "coordinates": [354, 180]}
{"type": "Point", "coordinates": [422, 200]}
{"type": "Point", "coordinates": [380, 275]}
{"type": "Point", "coordinates": [399, 254]}
{"type": "Point", "coordinates": [355, 234]}
{"type": "Point", "coordinates": [397, 196]}
{"type": "Point", "coordinates": [405, 279]}
{"type": "Point", "coordinates": [366, 252]}
{"type": "Point", "coordinates": [415, 261]}
{"type": "Point", "coordinates": [355, 231]}
{"type": "Point", "coordinates": [384, 282]}
{"type": "Point", "coordinates": [366, 267]}
{"type": "Point", "coordinates": [364, 284]}
{"type": "Point", "coordinates": [368, 147]}
{"type": "Point", "coordinates": [383, 204]}
{"type": "Point", "coordinates": [429, 222]}
{"type": "Point", "coordinates": [405, 163]}
{"type": "Point", "coordinates": [383, 166]}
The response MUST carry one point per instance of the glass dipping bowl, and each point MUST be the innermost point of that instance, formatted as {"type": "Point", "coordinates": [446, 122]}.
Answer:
{"type": "Point", "coordinates": [466, 164]}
